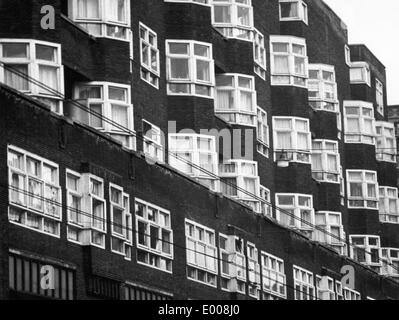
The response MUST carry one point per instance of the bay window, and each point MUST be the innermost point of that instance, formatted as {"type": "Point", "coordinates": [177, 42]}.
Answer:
{"type": "Point", "coordinates": [359, 122]}
{"type": "Point", "coordinates": [386, 141]}
{"type": "Point", "coordinates": [24, 61]}
{"type": "Point", "coordinates": [102, 18]}
{"type": "Point", "coordinates": [379, 96]}
{"type": "Point", "coordinates": [362, 189]}
{"type": "Point", "coordinates": [240, 180]}
{"type": "Point", "coordinates": [236, 99]}
{"type": "Point", "coordinates": [152, 143]}
{"type": "Point", "coordinates": [289, 61]}
{"type": "Point", "coordinates": [296, 211]}
{"type": "Point", "coordinates": [360, 73]}
{"type": "Point", "coordinates": [105, 101]}
{"type": "Point", "coordinates": [330, 230]}
{"type": "Point", "coordinates": [273, 276]}
{"type": "Point", "coordinates": [293, 10]}
{"type": "Point", "coordinates": [365, 249]}
{"type": "Point", "coordinates": [350, 294]}
{"type": "Point", "coordinates": [262, 133]}
{"type": "Point", "coordinates": [390, 262]}
{"type": "Point", "coordinates": [149, 55]}
{"type": "Point", "coordinates": [389, 205]}
{"type": "Point", "coordinates": [325, 161]}
{"type": "Point", "coordinates": [304, 284]}
{"type": "Point", "coordinates": [325, 288]}
{"type": "Point", "coordinates": [190, 68]}
{"type": "Point", "coordinates": [154, 236]}
{"type": "Point", "coordinates": [259, 54]}
{"type": "Point", "coordinates": [292, 138]}
{"type": "Point", "coordinates": [201, 251]}
{"type": "Point", "coordinates": [233, 18]}
{"type": "Point", "coordinates": [34, 192]}
{"type": "Point", "coordinates": [195, 155]}
{"type": "Point", "coordinates": [322, 88]}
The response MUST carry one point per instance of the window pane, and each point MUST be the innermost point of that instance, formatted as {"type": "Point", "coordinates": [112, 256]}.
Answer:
{"type": "Point", "coordinates": [15, 50]}
{"type": "Point", "coordinates": [289, 9]}
{"type": "Point", "coordinates": [88, 9]}
{"type": "Point", "coordinates": [45, 53]}
{"type": "Point", "coordinates": [15, 75]}
{"type": "Point", "coordinates": [222, 14]}
{"type": "Point", "coordinates": [179, 68]}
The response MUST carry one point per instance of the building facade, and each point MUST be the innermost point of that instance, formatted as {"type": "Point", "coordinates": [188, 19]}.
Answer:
{"type": "Point", "coordinates": [193, 149]}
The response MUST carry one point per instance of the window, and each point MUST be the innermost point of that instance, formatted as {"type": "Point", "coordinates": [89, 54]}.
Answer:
{"type": "Point", "coordinates": [390, 262]}
{"type": "Point", "coordinates": [362, 189]}
{"type": "Point", "coordinates": [365, 249]}
{"type": "Point", "coordinates": [262, 133]}
{"type": "Point", "coordinates": [153, 144]}
{"type": "Point", "coordinates": [259, 54]}
{"type": "Point", "coordinates": [189, 150]}
{"type": "Point", "coordinates": [389, 205]}
{"type": "Point", "coordinates": [304, 287]}
{"type": "Point", "coordinates": [292, 138]}
{"type": "Point", "coordinates": [236, 99]}
{"type": "Point", "coordinates": [325, 288]}
{"type": "Point", "coordinates": [139, 292]}
{"type": "Point", "coordinates": [379, 96]}
{"type": "Point", "coordinates": [293, 10]}
{"type": "Point", "coordinates": [274, 279]}
{"type": "Point", "coordinates": [121, 222]}
{"type": "Point", "coordinates": [108, 109]}
{"type": "Point", "coordinates": [341, 186]}
{"type": "Point", "coordinates": [296, 211]}
{"type": "Point", "coordinates": [97, 210]}
{"type": "Point", "coordinates": [265, 206]}
{"type": "Point", "coordinates": [325, 161]}
{"type": "Point", "coordinates": [359, 122]}
{"type": "Point", "coordinates": [348, 55]}
{"type": "Point", "coordinates": [386, 144]}
{"type": "Point", "coordinates": [202, 258]}
{"type": "Point", "coordinates": [149, 56]}
{"type": "Point", "coordinates": [34, 192]}
{"type": "Point", "coordinates": [322, 88]}
{"type": "Point", "coordinates": [240, 180]}
{"type": "Point", "coordinates": [329, 230]}
{"type": "Point", "coordinates": [339, 291]}
{"type": "Point", "coordinates": [28, 60]}
{"type": "Point", "coordinates": [75, 205]}
{"type": "Point", "coordinates": [190, 68]}
{"type": "Point", "coordinates": [102, 18]}
{"type": "Point", "coordinates": [253, 271]}
{"type": "Point", "coordinates": [25, 275]}
{"type": "Point", "coordinates": [154, 236]}
{"type": "Point", "coordinates": [289, 61]}
{"type": "Point", "coordinates": [350, 294]}
{"type": "Point", "coordinates": [233, 18]}
{"type": "Point", "coordinates": [360, 73]}
{"type": "Point", "coordinates": [201, 2]}
{"type": "Point", "coordinates": [233, 265]}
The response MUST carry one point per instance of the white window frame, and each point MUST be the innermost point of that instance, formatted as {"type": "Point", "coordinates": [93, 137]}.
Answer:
{"type": "Point", "coordinates": [254, 279]}
{"type": "Point", "coordinates": [379, 96]}
{"type": "Point", "coordinates": [153, 146]}
{"type": "Point", "coordinates": [265, 206]}
{"type": "Point", "coordinates": [350, 294]}
{"type": "Point", "coordinates": [304, 280]}
{"type": "Point", "coordinates": [385, 152]}
{"type": "Point", "coordinates": [384, 205]}
{"type": "Point", "coordinates": [338, 244]}
{"type": "Point", "coordinates": [146, 248]}
{"type": "Point", "coordinates": [348, 55]}
{"type": "Point", "coordinates": [325, 288]}
{"type": "Point", "coordinates": [361, 137]}
{"type": "Point", "coordinates": [259, 54]}
{"type": "Point", "coordinates": [365, 71]}
{"type": "Point", "coordinates": [364, 183]}
{"type": "Point", "coordinates": [147, 71]}
{"type": "Point", "coordinates": [262, 133]}
{"type": "Point", "coordinates": [75, 226]}
{"type": "Point", "coordinates": [273, 276]}
{"type": "Point", "coordinates": [390, 262]}
{"type": "Point", "coordinates": [366, 248]}
{"type": "Point", "coordinates": [33, 66]}
{"type": "Point", "coordinates": [294, 154]}
{"type": "Point", "coordinates": [192, 80]}
{"type": "Point", "coordinates": [302, 10]}
{"type": "Point", "coordinates": [205, 3]}
{"type": "Point", "coordinates": [327, 176]}
{"type": "Point", "coordinates": [294, 78]}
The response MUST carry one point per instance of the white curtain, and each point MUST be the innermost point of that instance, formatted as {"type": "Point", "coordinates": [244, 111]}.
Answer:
{"type": "Point", "coordinates": [96, 121]}
{"type": "Point", "coordinates": [245, 100]}
{"type": "Point", "coordinates": [49, 76]}
{"type": "Point", "coordinates": [284, 141]}
{"type": "Point", "coordinates": [222, 14]}
{"type": "Point", "coordinates": [289, 9]}
{"type": "Point", "coordinates": [89, 9]}
{"type": "Point", "coordinates": [356, 189]}
{"type": "Point", "coordinates": [18, 188]}
{"type": "Point", "coordinates": [249, 185]}
{"type": "Point", "coordinates": [353, 125]}
{"type": "Point", "coordinates": [225, 99]}
{"type": "Point", "coordinates": [116, 10]}
{"type": "Point", "coordinates": [98, 214]}
{"type": "Point", "coordinates": [120, 115]}
{"type": "Point", "coordinates": [281, 64]}
{"type": "Point", "coordinates": [303, 143]}
{"type": "Point", "coordinates": [317, 162]}
{"type": "Point", "coordinates": [179, 68]}
{"type": "Point", "coordinates": [332, 163]}
{"type": "Point", "coordinates": [203, 70]}
{"type": "Point", "coordinates": [243, 15]}
{"type": "Point", "coordinates": [300, 65]}
{"type": "Point", "coordinates": [35, 194]}
{"type": "Point", "coordinates": [13, 79]}
{"type": "Point", "coordinates": [228, 186]}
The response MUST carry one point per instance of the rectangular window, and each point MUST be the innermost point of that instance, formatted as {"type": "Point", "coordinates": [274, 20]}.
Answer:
{"type": "Point", "coordinates": [362, 189]}
{"type": "Point", "coordinates": [75, 204]}
{"type": "Point", "coordinates": [150, 70]}
{"type": "Point", "coordinates": [389, 205]}
{"type": "Point", "coordinates": [202, 257]}
{"type": "Point", "coordinates": [259, 54]}
{"type": "Point", "coordinates": [322, 88]}
{"type": "Point", "coordinates": [304, 285]}
{"type": "Point", "coordinates": [110, 101]}
{"type": "Point", "coordinates": [236, 99]}
{"type": "Point", "coordinates": [365, 249]}
{"type": "Point", "coordinates": [97, 209]}
{"type": "Point", "coordinates": [190, 68]}
{"type": "Point", "coordinates": [330, 230]}
{"type": "Point", "coordinates": [359, 122]}
{"type": "Point", "coordinates": [379, 96]}
{"type": "Point", "coordinates": [325, 161]}
{"type": "Point", "coordinates": [293, 10]}
{"type": "Point", "coordinates": [262, 133]}
{"type": "Point", "coordinates": [296, 211]}
{"type": "Point", "coordinates": [34, 192]}
{"type": "Point", "coordinates": [325, 288]}
{"type": "Point", "coordinates": [38, 60]}
{"type": "Point", "coordinates": [350, 294]}
{"type": "Point", "coordinates": [390, 262]}
{"type": "Point", "coordinates": [253, 271]}
{"type": "Point", "coordinates": [152, 143]}
{"type": "Point", "coordinates": [233, 18]}
{"type": "Point", "coordinates": [347, 55]}
{"type": "Point", "coordinates": [265, 206]}
{"type": "Point", "coordinates": [274, 279]}
{"type": "Point", "coordinates": [386, 144]}
{"type": "Point", "coordinates": [289, 61]}
{"type": "Point", "coordinates": [154, 236]}
{"type": "Point", "coordinates": [360, 73]}
{"type": "Point", "coordinates": [292, 139]}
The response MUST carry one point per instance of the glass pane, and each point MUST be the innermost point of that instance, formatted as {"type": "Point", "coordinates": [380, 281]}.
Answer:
{"type": "Point", "coordinates": [178, 48]}
{"type": "Point", "coordinates": [15, 50]}
{"type": "Point", "coordinates": [46, 53]}
{"type": "Point", "coordinates": [179, 68]}
{"type": "Point", "coordinates": [117, 94]}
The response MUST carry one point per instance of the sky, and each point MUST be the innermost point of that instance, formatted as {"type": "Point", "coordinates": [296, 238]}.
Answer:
{"type": "Point", "coordinates": [375, 24]}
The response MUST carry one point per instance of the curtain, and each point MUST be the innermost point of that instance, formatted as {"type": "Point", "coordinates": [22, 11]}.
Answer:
{"type": "Point", "coordinates": [97, 214]}
{"type": "Point", "coordinates": [356, 74]}
{"type": "Point", "coordinates": [371, 190]}
{"type": "Point", "coordinates": [332, 164]}
{"type": "Point", "coordinates": [289, 9]}
{"type": "Point", "coordinates": [120, 115]}
{"type": "Point", "coordinates": [200, 255]}
{"type": "Point", "coordinates": [249, 185]}
{"type": "Point", "coordinates": [51, 196]}
{"type": "Point", "coordinates": [243, 15]}
{"type": "Point", "coordinates": [300, 65]}
{"type": "Point", "coordinates": [303, 143]}
{"type": "Point", "coordinates": [317, 162]}
{"type": "Point", "coordinates": [281, 64]}
{"type": "Point", "coordinates": [49, 76]}
{"type": "Point", "coordinates": [14, 80]}
{"type": "Point", "coordinates": [203, 70]}
{"type": "Point", "coordinates": [205, 161]}
{"type": "Point", "coordinates": [88, 9]}
{"type": "Point", "coordinates": [35, 194]}
{"type": "Point", "coordinates": [368, 126]}
{"type": "Point", "coordinates": [228, 186]}
{"type": "Point", "coordinates": [116, 10]}
{"type": "Point", "coordinates": [225, 99]}
{"type": "Point", "coordinates": [356, 189]}
{"type": "Point", "coordinates": [18, 188]}
{"type": "Point", "coordinates": [248, 169]}
{"type": "Point", "coordinates": [353, 125]}
{"type": "Point", "coordinates": [191, 251]}
{"type": "Point", "coordinates": [393, 206]}
{"type": "Point", "coordinates": [145, 54]}
{"type": "Point", "coordinates": [284, 141]}
{"type": "Point", "coordinates": [211, 259]}
{"type": "Point", "coordinates": [222, 14]}
{"type": "Point", "coordinates": [96, 121]}
{"type": "Point", "coordinates": [245, 100]}
{"type": "Point", "coordinates": [179, 68]}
